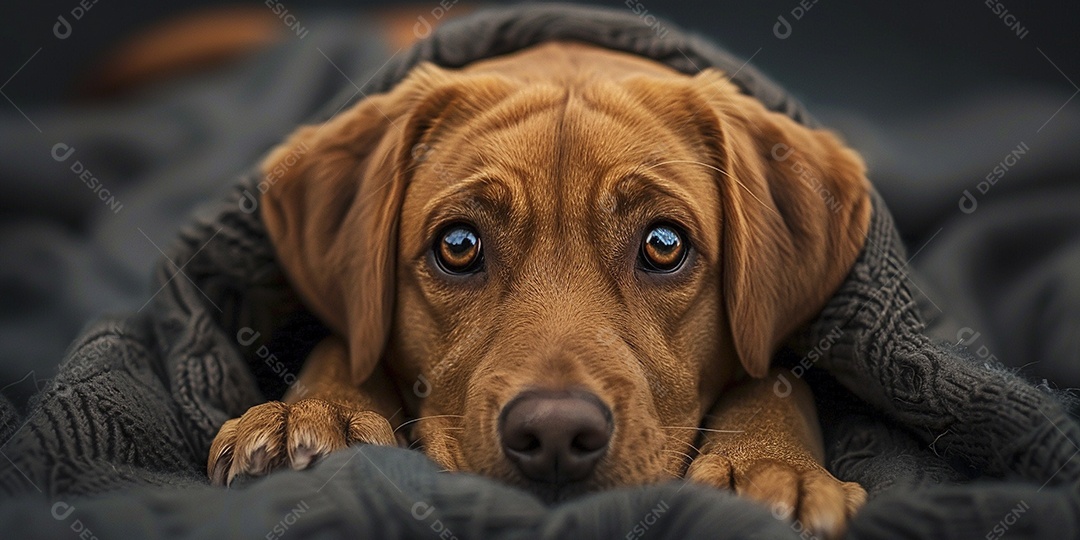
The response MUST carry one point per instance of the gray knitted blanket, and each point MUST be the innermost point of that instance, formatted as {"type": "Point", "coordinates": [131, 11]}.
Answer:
{"type": "Point", "coordinates": [116, 444]}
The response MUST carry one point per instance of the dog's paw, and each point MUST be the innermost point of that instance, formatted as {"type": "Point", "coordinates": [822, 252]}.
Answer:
{"type": "Point", "coordinates": [813, 499]}
{"type": "Point", "coordinates": [275, 434]}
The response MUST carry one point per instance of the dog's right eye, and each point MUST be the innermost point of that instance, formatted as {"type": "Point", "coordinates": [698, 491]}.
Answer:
{"type": "Point", "coordinates": [458, 250]}
{"type": "Point", "coordinates": [663, 249]}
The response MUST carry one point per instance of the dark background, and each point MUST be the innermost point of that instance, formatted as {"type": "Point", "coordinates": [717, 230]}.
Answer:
{"type": "Point", "coordinates": [935, 51]}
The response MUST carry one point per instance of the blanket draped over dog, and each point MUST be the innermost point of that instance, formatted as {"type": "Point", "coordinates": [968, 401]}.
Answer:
{"type": "Point", "coordinates": [116, 444]}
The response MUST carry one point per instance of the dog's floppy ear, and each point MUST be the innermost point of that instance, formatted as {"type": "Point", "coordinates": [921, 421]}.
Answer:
{"type": "Point", "coordinates": [795, 208]}
{"type": "Point", "coordinates": [331, 198]}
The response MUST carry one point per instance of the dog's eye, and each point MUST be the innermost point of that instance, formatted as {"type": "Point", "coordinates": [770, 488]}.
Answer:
{"type": "Point", "coordinates": [458, 250]}
{"type": "Point", "coordinates": [663, 249]}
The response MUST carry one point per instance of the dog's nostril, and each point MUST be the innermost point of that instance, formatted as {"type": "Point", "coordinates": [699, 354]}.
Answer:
{"type": "Point", "coordinates": [589, 442]}
{"type": "Point", "coordinates": [525, 443]}
{"type": "Point", "coordinates": [555, 437]}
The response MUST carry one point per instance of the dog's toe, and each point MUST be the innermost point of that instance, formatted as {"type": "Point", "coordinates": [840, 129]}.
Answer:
{"type": "Point", "coordinates": [370, 428]}
{"type": "Point", "coordinates": [712, 470]}
{"type": "Point", "coordinates": [854, 497]}
{"type": "Point", "coordinates": [773, 483]}
{"type": "Point", "coordinates": [272, 435]}
{"type": "Point", "coordinates": [315, 429]}
{"type": "Point", "coordinates": [221, 453]}
{"type": "Point", "coordinates": [811, 498]}
{"type": "Point", "coordinates": [258, 445]}
{"type": "Point", "coordinates": [823, 504]}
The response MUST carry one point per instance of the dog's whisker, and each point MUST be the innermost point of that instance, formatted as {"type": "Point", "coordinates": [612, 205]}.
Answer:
{"type": "Point", "coordinates": [681, 442]}
{"type": "Point", "coordinates": [705, 429]}
{"type": "Point", "coordinates": [420, 436]}
{"type": "Point", "coordinates": [683, 454]}
{"type": "Point", "coordinates": [675, 451]}
{"type": "Point", "coordinates": [722, 430]}
{"type": "Point", "coordinates": [678, 468]}
{"type": "Point", "coordinates": [403, 424]}
{"type": "Point", "coordinates": [721, 171]}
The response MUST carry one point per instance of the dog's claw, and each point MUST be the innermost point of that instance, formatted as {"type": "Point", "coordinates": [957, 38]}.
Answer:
{"type": "Point", "coordinates": [272, 435]}
{"type": "Point", "coordinates": [219, 469]}
{"type": "Point", "coordinates": [302, 456]}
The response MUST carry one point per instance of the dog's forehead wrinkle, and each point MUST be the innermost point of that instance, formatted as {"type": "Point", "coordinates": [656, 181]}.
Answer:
{"type": "Point", "coordinates": [614, 103]}
{"type": "Point", "coordinates": [567, 148]}
{"type": "Point", "coordinates": [517, 108]}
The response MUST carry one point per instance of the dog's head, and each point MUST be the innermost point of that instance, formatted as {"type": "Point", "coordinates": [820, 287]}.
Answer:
{"type": "Point", "coordinates": [564, 255]}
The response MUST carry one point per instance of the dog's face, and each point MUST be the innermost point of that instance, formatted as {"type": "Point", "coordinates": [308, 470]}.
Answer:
{"type": "Point", "coordinates": [564, 256]}
{"type": "Point", "coordinates": [561, 240]}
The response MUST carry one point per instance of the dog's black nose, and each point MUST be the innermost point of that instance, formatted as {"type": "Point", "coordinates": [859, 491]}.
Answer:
{"type": "Point", "coordinates": [555, 437]}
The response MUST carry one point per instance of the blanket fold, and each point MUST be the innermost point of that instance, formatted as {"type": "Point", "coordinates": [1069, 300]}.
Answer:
{"type": "Point", "coordinates": [998, 423]}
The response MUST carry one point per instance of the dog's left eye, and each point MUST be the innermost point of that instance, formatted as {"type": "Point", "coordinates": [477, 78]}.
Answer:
{"type": "Point", "coordinates": [458, 250]}
{"type": "Point", "coordinates": [663, 249]}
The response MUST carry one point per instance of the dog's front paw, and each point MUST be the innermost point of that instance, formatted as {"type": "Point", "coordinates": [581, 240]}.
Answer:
{"type": "Point", "coordinates": [806, 494]}
{"type": "Point", "coordinates": [275, 434]}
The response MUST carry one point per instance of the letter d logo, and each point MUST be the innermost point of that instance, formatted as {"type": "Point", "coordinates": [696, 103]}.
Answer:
{"type": "Point", "coordinates": [968, 203]}
{"type": "Point", "coordinates": [61, 151]}
{"type": "Point", "coordinates": [782, 28]}
{"type": "Point", "coordinates": [248, 202]}
{"type": "Point", "coordinates": [62, 510]}
{"type": "Point", "coordinates": [782, 388]}
{"type": "Point", "coordinates": [62, 28]}
{"type": "Point", "coordinates": [422, 510]}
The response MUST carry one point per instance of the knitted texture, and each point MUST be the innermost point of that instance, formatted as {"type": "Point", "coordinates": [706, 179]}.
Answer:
{"type": "Point", "coordinates": [996, 422]}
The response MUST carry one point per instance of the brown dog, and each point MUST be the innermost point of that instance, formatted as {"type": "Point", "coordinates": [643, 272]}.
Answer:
{"type": "Point", "coordinates": [562, 264]}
